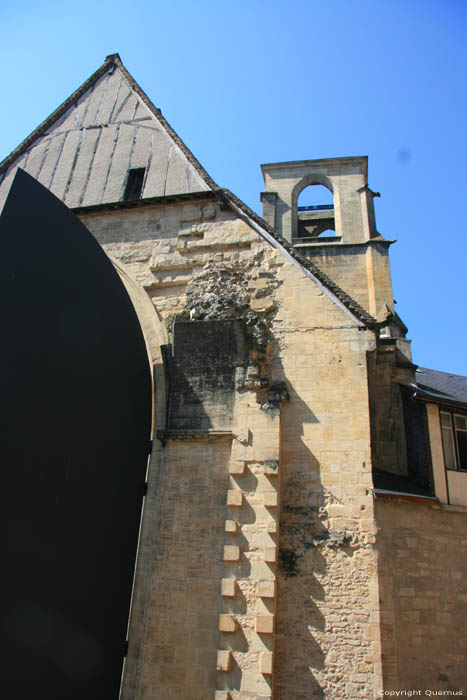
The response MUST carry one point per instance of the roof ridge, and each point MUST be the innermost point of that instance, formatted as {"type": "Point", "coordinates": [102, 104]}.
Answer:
{"type": "Point", "coordinates": [112, 60]}
{"type": "Point", "coordinates": [350, 303]}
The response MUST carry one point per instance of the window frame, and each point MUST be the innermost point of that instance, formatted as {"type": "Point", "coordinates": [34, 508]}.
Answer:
{"type": "Point", "coordinates": [135, 181]}
{"type": "Point", "coordinates": [452, 413]}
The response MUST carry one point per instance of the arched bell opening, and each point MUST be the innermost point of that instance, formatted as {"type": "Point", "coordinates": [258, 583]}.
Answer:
{"type": "Point", "coordinates": [315, 212]}
{"type": "Point", "coordinates": [314, 209]}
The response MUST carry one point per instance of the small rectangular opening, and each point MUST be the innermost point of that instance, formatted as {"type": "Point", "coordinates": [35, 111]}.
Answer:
{"type": "Point", "coordinates": [134, 184]}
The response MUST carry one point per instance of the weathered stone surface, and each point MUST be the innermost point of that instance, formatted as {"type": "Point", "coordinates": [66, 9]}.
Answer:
{"type": "Point", "coordinates": [421, 572]}
{"type": "Point", "coordinates": [201, 370]}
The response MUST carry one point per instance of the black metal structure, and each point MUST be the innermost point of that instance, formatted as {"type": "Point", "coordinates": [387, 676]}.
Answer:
{"type": "Point", "coordinates": [75, 421]}
{"type": "Point", "coordinates": [316, 207]}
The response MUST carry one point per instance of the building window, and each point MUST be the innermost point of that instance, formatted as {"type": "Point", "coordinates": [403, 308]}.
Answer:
{"type": "Point", "coordinates": [454, 432]}
{"type": "Point", "coordinates": [134, 184]}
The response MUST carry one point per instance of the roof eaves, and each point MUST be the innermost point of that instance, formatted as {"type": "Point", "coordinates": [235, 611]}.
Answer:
{"type": "Point", "coordinates": [350, 304]}
{"type": "Point", "coordinates": [146, 202]}
{"type": "Point", "coordinates": [42, 128]}
{"type": "Point", "coordinates": [433, 396]}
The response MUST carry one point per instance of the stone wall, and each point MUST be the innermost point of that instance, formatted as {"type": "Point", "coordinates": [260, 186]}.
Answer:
{"type": "Point", "coordinates": [361, 269]}
{"type": "Point", "coordinates": [327, 629]}
{"type": "Point", "coordinates": [228, 610]}
{"type": "Point", "coordinates": [422, 564]}
{"type": "Point", "coordinates": [387, 367]}
{"type": "Point", "coordinates": [181, 625]}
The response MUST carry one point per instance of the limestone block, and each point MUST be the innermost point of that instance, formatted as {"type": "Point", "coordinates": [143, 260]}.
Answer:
{"type": "Point", "coordinates": [265, 624]}
{"type": "Point", "coordinates": [240, 451]}
{"type": "Point", "coordinates": [260, 569]}
{"type": "Point", "coordinates": [271, 466]}
{"type": "Point", "coordinates": [222, 695]}
{"type": "Point", "coordinates": [190, 213]}
{"type": "Point", "coordinates": [243, 434]}
{"type": "Point", "coordinates": [191, 233]}
{"type": "Point", "coordinates": [234, 499]}
{"type": "Point", "coordinates": [270, 554]}
{"type": "Point", "coordinates": [266, 588]}
{"type": "Point", "coordinates": [270, 499]}
{"type": "Point", "coordinates": [231, 553]}
{"type": "Point", "coordinates": [170, 262]}
{"type": "Point", "coordinates": [260, 540]}
{"type": "Point", "coordinates": [228, 586]}
{"type": "Point", "coordinates": [237, 467]}
{"type": "Point", "coordinates": [255, 683]}
{"type": "Point", "coordinates": [263, 305]}
{"type": "Point", "coordinates": [266, 483]}
{"type": "Point", "coordinates": [223, 660]}
{"type": "Point", "coordinates": [231, 526]}
{"type": "Point", "coordinates": [266, 662]}
{"type": "Point", "coordinates": [209, 212]}
{"type": "Point", "coordinates": [227, 623]}
{"type": "Point", "coordinates": [260, 283]}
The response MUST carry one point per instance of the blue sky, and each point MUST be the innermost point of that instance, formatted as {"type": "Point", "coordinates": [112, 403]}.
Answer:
{"type": "Point", "coordinates": [249, 82]}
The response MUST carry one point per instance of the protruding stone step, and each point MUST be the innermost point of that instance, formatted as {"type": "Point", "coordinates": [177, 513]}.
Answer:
{"type": "Point", "coordinates": [270, 499]}
{"type": "Point", "coordinates": [231, 553]}
{"type": "Point", "coordinates": [266, 588]}
{"type": "Point", "coordinates": [266, 662]}
{"type": "Point", "coordinates": [237, 467]}
{"type": "Point", "coordinates": [270, 555]}
{"type": "Point", "coordinates": [235, 499]}
{"type": "Point", "coordinates": [228, 587]}
{"type": "Point", "coordinates": [265, 624]}
{"type": "Point", "coordinates": [224, 659]}
{"type": "Point", "coordinates": [227, 623]}
{"type": "Point", "coordinates": [231, 526]}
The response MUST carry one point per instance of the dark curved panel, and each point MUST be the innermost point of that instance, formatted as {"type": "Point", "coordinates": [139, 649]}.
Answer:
{"type": "Point", "coordinates": [75, 420]}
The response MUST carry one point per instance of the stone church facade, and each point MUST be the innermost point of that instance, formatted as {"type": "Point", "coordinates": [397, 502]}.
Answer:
{"type": "Point", "coordinates": [303, 531]}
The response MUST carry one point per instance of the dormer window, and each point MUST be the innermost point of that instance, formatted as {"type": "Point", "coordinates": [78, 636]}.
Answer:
{"type": "Point", "coordinates": [134, 184]}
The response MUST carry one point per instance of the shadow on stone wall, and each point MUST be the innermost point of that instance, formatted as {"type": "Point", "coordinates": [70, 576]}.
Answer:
{"type": "Point", "coordinates": [301, 564]}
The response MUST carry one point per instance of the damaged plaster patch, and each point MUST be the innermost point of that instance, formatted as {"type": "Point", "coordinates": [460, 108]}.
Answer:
{"type": "Point", "coordinates": [222, 291]}
{"type": "Point", "coordinates": [227, 291]}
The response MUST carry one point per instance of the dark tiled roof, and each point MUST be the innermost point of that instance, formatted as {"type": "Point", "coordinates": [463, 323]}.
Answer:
{"type": "Point", "coordinates": [443, 386]}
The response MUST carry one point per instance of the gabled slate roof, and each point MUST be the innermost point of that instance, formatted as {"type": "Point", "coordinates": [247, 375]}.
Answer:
{"type": "Point", "coordinates": [441, 387]}
{"type": "Point", "coordinates": [83, 152]}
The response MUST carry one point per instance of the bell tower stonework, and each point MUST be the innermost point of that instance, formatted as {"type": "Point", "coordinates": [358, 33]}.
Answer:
{"type": "Point", "coordinates": [356, 256]}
